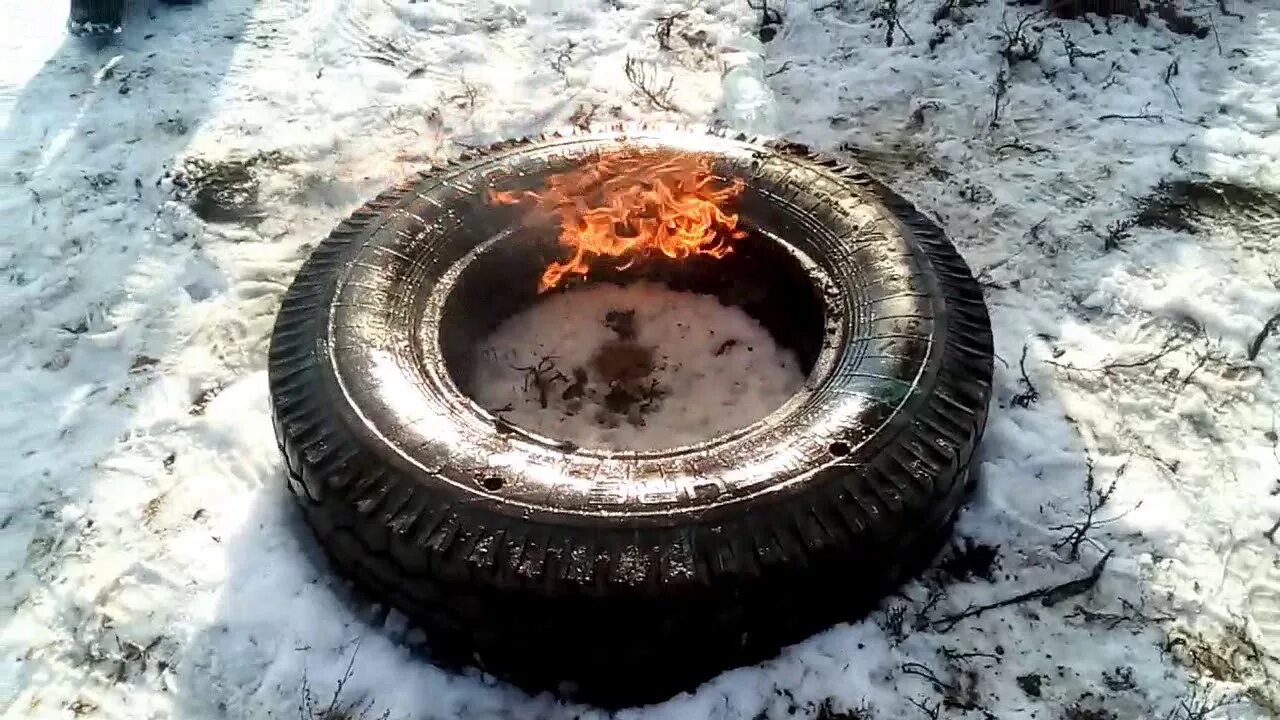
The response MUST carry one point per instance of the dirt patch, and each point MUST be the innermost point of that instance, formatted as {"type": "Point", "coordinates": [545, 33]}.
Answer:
{"type": "Point", "coordinates": [1119, 679]}
{"type": "Point", "coordinates": [1231, 657]}
{"type": "Point", "coordinates": [620, 383]}
{"type": "Point", "coordinates": [1190, 206]}
{"type": "Point", "coordinates": [625, 368]}
{"type": "Point", "coordinates": [202, 399]}
{"type": "Point", "coordinates": [622, 323]}
{"type": "Point", "coordinates": [1139, 11]}
{"type": "Point", "coordinates": [1089, 707]}
{"type": "Point", "coordinates": [622, 361]}
{"type": "Point", "coordinates": [225, 191]}
{"type": "Point", "coordinates": [969, 559]}
{"type": "Point", "coordinates": [1032, 684]}
{"type": "Point", "coordinates": [829, 710]}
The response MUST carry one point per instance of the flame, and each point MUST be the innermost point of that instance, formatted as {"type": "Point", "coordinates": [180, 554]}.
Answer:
{"type": "Point", "coordinates": [634, 206]}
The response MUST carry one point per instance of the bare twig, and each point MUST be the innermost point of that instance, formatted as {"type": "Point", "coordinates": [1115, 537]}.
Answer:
{"type": "Point", "coordinates": [665, 24]}
{"type": "Point", "coordinates": [921, 620]}
{"type": "Point", "coordinates": [1024, 147]}
{"type": "Point", "coordinates": [959, 693]}
{"type": "Point", "coordinates": [930, 712]}
{"type": "Point", "coordinates": [1198, 705]}
{"type": "Point", "coordinates": [1139, 116]}
{"type": "Point", "coordinates": [1169, 73]}
{"type": "Point", "coordinates": [1172, 344]}
{"type": "Point", "coordinates": [1130, 615]}
{"type": "Point", "coordinates": [999, 88]}
{"type": "Point", "coordinates": [1073, 50]}
{"type": "Point", "coordinates": [1116, 232]}
{"type": "Point", "coordinates": [1095, 499]}
{"type": "Point", "coordinates": [1270, 535]}
{"type": "Point", "coordinates": [1048, 596]}
{"type": "Point", "coordinates": [780, 69]}
{"type": "Point", "coordinates": [645, 79]}
{"type": "Point", "coordinates": [770, 19]}
{"type": "Point", "coordinates": [893, 625]}
{"type": "Point", "coordinates": [1030, 395]}
{"type": "Point", "coordinates": [887, 11]}
{"type": "Point", "coordinates": [1222, 8]}
{"type": "Point", "coordinates": [541, 376]}
{"type": "Point", "coordinates": [1255, 347]}
{"type": "Point", "coordinates": [921, 670]}
{"type": "Point", "coordinates": [1018, 46]}
{"type": "Point", "coordinates": [562, 58]}
{"type": "Point", "coordinates": [583, 116]}
{"type": "Point", "coordinates": [337, 709]}
{"type": "Point", "coordinates": [466, 99]}
{"type": "Point", "coordinates": [954, 655]}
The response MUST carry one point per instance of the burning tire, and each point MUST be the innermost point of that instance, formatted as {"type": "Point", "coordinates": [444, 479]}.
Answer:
{"type": "Point", "coordinates": [624, 576]}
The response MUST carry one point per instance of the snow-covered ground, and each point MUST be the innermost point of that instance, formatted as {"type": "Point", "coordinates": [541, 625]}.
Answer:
{"type": "Point", "coordinates": [640, 367]}
{"type": "Point", "coordinates": [150, 562]}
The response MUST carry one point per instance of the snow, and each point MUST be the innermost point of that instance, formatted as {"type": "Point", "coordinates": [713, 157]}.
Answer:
{"type": "Point", "coordinates": [659, 368]}
{"type": "Point", "coordinates": [152, 565]}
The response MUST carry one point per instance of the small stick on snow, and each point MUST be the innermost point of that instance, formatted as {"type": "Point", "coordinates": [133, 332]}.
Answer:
{"type": "Point", "coordinates": [1024, 147]}
{"type": "Point", "coordinates": [1048, 596]}
{"type": "Point", "coordinates": [1139, 116]}
{"type": "Point", "coordinates": [1169, 72]}
{"type": "Point", "coordinates": [1255, 347]}
{"type": "Point", "coordinates": [666, 23]}
{"type": "Point", "coordinates": [1025, 398]}
{"type": "Point", "coordinates": [1270, 535]}
{"type": "Point", "coordinates": [1130, 615]}
{"type": "Point", "coordinates": [1000, 87]}
{"type": "Point", "coordinates": [929, 712]}
{"type": "Point", "coordinates": [1171, 344]}
{"type": "Point", "coordinates": [1095, 500]}
{"type": "Point", "coordinates": [922, 615]}
{"type": "Point", "coordinates": [542, 376]}
{"type": "Point", "coordinates": [647, 83]}
{"type": "Point", "coordinates": [921, 670]}
{"type": "Point", "coordinates": [1073, 50]}
{"type": "Point", "coordinates": [888, 11]}
{"type": "Point", "coordinates": [781, 69]}
{"type": "Point", "coordinates": [954, 655]}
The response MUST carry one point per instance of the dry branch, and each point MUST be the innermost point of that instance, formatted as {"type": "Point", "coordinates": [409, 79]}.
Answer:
{"type": "Point", "coordinates": [1048, 596]}
{"type": "Point", "coordinates": [646, 80]}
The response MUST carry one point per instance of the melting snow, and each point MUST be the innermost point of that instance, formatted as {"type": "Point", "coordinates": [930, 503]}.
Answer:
{"type": "Point", "coordinates": [635, 367]}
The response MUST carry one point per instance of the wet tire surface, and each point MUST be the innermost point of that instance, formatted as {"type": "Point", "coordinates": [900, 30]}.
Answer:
{"type": "Point", "coordinates": [623, 579]}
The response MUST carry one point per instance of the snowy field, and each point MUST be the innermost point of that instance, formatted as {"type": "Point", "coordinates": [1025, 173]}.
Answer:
{"type": "Point", "coordinates": [1114, 184]}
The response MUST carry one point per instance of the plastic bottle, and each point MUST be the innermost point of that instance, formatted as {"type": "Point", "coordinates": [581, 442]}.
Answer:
{"type": "Point", "coordinates": [746, 102]}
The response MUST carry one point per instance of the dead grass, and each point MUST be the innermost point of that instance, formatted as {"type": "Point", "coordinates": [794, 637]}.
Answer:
{"type": "Point", "coordinates": [225, 191]}
{"type": "Point", "coordinates": [338, 708]}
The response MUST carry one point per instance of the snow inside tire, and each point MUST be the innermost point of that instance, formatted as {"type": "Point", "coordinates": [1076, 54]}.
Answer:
{"type": "Point", "coordinates": [623, 578]}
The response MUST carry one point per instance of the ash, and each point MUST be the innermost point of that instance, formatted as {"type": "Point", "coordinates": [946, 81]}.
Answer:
{"type": "Point", "coordinates": [636, 367]}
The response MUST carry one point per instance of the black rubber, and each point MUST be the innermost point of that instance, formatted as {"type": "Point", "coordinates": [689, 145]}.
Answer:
{"type": "Point", "coordinates": [101, 17]}
{"type": "Point", "coordinates": [95, 17]}
{"type": "Point", "coordinates": [621, 579]}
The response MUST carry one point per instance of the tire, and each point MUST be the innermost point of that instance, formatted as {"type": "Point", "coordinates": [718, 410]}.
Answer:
{"type": "Point", "coordinates": [623, 579]}
{"type": "Point", "coordinates": [95, 17]}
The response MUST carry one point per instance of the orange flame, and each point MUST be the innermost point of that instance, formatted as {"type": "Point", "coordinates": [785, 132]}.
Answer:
{"type": "Point", "coordinates": [635, 206]}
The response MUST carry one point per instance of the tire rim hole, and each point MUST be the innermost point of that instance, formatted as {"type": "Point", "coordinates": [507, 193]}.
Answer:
{"type": "Point", "coordinates": [838, 448]}
{"type": "Point", "coordinates": [492, 483]}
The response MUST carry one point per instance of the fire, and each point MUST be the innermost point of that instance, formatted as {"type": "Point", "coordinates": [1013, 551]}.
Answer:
{"type": "Point", "coordinates": [634, 206]}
